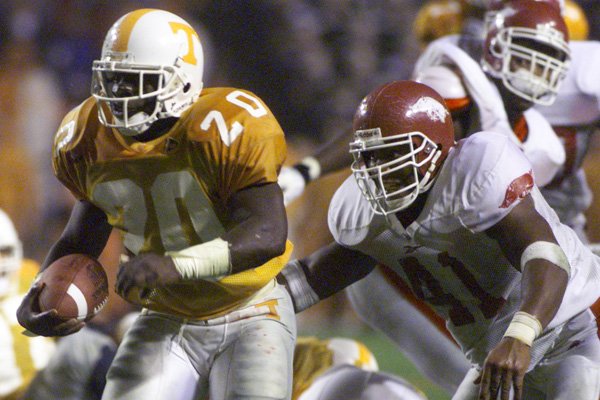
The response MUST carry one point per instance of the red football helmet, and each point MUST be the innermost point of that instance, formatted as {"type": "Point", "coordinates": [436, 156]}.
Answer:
{"type": "Point", "coordinates": [402, 134]}
{"type": "Point", "coordinates": [497, 5]}
{"type": "Point", "coordinates": [526, 46]}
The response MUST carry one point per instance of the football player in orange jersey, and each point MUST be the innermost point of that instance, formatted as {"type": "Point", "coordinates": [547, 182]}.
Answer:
{"type": "Point", "coordinates": [189, 176]}
{"type": "Point", "coordinates": [20, 356]}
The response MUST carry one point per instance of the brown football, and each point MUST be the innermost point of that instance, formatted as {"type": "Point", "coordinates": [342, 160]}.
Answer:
{"type": "Point", "coordinates": [76, 286]}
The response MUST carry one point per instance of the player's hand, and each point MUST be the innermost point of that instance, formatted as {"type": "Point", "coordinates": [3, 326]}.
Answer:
{"type": "Point", "coordinates": [504, 367]}
{"type": "Point", "coordinates": [144, 272]}
{"type": "Point", "coordinates": [292, 184]}
{"type": "Point", "coordinates": [45, 323]}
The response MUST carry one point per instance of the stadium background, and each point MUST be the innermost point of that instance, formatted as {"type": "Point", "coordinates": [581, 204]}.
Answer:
{"type": "Point", "coordinates": [310, 60]}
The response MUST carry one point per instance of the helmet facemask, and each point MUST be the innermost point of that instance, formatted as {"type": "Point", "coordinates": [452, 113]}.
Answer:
{"type": "Point", "coordinates": [131, 97]}
{"type": "Point", "coordinates": [533, 65]}
{"type": "Point", "coordinates": [532, 74]}
{"type": "Point", "coordinates": [392, 171]}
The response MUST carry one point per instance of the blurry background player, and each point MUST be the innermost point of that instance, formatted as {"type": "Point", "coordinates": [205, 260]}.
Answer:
{"type": "Point", "coordinates": [188, 175]}
{"type": "Point", "coordinates": [342, 368]}
{"type": "Point", "coordinates": [20, 356]}
{"type": "Point", "coordinates": [525, 57]}
{"type": "Point", "coordinates": [77, 369]}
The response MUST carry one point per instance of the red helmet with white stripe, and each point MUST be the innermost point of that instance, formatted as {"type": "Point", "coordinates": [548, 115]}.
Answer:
{"type": "Point", "coordinates": [402, 134]}
{"type": "Point", "coordinates": [526, 46]}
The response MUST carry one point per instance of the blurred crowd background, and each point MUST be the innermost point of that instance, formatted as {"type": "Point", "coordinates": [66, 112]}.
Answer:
{"type": "Point", "coordinates": [311, 61]}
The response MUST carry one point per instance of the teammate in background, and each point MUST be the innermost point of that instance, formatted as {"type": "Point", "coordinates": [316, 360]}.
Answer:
{"type": "Point", "coordinates": [340, 368]}
{"type": "Point", "coordinates": [77, 369]}
{"type": "Point", "coordinates": [189, 176]}
{"type": "Point", "coordinates": [486, 95]}
{"type": "Point", "coordinates": [20, 356]}
{"type": "Point", "coordinates": [525, 58]}
{"type": "Point", "coordinates": [464, 225]}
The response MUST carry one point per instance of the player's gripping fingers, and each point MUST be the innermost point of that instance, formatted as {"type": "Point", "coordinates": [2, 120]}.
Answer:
{"type": "Point", "coordinates": [45, 323]}
{"type": "Point", "coordinates": [29, 306]}
{"type": "Point", "coordinates": [68, 327]}
{"type": "Point", "coordinates": [145, 272]}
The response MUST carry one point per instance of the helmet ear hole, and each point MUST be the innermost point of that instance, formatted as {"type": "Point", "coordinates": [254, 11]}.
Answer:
{"type": "Point", "coordinates": [187, 87]}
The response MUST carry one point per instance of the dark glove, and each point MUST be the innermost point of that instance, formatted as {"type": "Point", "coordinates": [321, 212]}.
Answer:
{"type": "Point", "coordinates": [46, 323]}
{"type": "Point", "coordinates": [144, 272]}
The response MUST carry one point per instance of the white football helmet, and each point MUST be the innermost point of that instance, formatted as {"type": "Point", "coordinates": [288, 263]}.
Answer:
{"type": "Point", "coordinates": [526, 46]}
{"type": "Point", "coordinates": [11, 256]}
{"type": "Point", "coordinates": [151, 68]}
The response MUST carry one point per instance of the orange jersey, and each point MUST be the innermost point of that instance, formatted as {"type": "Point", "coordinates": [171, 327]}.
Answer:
{"type": "Point", "coordinates": [170, 193]}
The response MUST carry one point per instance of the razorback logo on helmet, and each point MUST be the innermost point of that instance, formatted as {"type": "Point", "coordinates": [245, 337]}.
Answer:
{"type": "Point", "coordinates": [518, 189]}
{"type": "Point", "coordinates": [430, 106]}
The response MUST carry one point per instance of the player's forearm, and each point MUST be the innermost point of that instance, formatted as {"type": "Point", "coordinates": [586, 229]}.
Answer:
{"type": "Point", "coordinates": [543, 286]}
{"type": "Point", "coordinates": [255, 242]}
{"type": "Point", "coordinates": [333, 155]}
{"type": "Point", "coordinates": [324, 273]}
{"type": "Point", "coordinates": [330, 157]}
{"type": "Point", "coordinates": [87, 232]}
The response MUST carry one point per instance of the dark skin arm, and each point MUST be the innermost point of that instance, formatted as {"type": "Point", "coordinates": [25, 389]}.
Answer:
{"type": "Point", "coordinates": [87, 232]}
{"type": "Point", "coordinates": [258, 234]}
{"type": "Point", "coordinates": [333, 155]}
{"type": "Point", "coordinates": [331, 269]}
{"type": "Point", "coordinates": [543, 285]}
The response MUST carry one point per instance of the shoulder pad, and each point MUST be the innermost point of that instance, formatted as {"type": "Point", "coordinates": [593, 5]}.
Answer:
{"type": "Point", "coordinates": [443, 80]}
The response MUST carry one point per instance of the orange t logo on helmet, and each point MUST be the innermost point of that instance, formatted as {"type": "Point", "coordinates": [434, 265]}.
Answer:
{"type": "Point", "coordinates": [190, 56]}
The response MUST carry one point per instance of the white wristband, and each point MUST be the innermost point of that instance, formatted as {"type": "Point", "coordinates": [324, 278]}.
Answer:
{"type": "Point", "coordinates": [524, 327]}
{"type": "Point", "coordinates": [546, 251]}
{"type": "Point", "coordinates": [314, 167]}
{"type": "Point", "coordinates": [210, 259]}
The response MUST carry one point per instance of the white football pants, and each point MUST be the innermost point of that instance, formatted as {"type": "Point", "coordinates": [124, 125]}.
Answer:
{"type": "Point", "coordinates": [381, 306]}
{"type": "Point", "coordinates": [247, 354]}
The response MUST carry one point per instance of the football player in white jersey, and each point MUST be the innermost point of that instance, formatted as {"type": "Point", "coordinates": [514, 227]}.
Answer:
{"type": "Point", "coordinates": [20, 356]}
{"type": "Point", "coordinates": [498, 100]}
{"type": "Point", "coordinates": [189, 176]}
{"type": "Point", "coordinates": [499, 92]}
{"type": "Point", "coordinates": [466, 228]}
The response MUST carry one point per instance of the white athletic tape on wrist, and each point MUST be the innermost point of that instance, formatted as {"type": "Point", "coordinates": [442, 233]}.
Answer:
{"type": "Point", "coordinates": [314, 167]}
{"type": "Point", "coordinates": [547, 251]}
{"type": "Point", "coordinates": [204, 260]}
{"type": "Point", "coordinates": [302, 293]}
{"type": "Point", "coordinates": [524, 327]}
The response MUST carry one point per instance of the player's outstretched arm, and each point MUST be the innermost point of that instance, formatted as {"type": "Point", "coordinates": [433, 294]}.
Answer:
{"type": "Point", "coordinates": [330, 157]}
{"type": "Point", "coordinates": [86, 232]}
{"type": "Point", "coordinates": [529, 243]}
{"type": "Point", "coordinates": [323, 273]}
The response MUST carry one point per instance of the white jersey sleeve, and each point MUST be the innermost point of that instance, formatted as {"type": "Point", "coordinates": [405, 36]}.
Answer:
{"type": "Point", "coordinates": [490, 175]}
{"type": "Point", "coordinates": [542, 148]}
{"type": "Point", "coordinates": [578, 101]}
